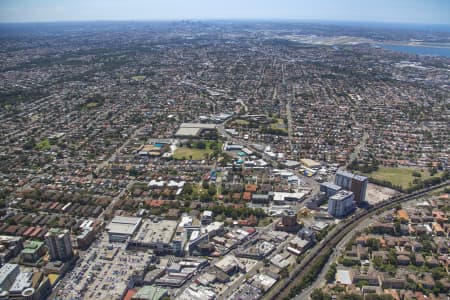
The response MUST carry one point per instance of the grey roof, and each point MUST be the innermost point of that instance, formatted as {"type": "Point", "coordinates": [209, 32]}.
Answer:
{"type": "Point", "coordinates": [341, 195]}
{"type": "Point", "coordinates": [124, 225]}
{"type": "Point", "coordinates": [351, 175]}
{"type": "Point", "coordinates": [331, 185]}
{"type": "Point", "coordinates": [6, 270]}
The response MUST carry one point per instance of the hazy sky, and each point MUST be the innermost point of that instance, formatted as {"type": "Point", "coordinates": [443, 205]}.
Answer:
{"type": "Point", "coordinates": [390, 11]}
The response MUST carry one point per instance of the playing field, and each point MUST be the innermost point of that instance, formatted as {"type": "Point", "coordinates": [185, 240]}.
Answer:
{"type": "Point", "coordinates": [279, 124]}
{"type": "Point", "coordinates": [399, 176]}
{"type": "Point", "coordinates": [241, 122]}
{"type": "Point", "coordinates": [187, 153]}
{"type": "Point", "coordinates": [138, 77]}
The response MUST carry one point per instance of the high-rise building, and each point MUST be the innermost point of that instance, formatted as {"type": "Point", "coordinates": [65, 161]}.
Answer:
{"type": "Point", "coordinates": [59, 245]}
{"type": "Point", "coordinates": [341, 204]}
{"type": "Point", "coordinates": [329, 188]}
{"type": "Point", "coordinates": [353, 182]}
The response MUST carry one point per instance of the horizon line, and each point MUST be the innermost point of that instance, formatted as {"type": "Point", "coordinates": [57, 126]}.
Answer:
{"type": "Point", "coordinates": [288, 20]}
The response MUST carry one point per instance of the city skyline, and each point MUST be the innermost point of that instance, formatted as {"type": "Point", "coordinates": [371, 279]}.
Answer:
{"type": "Point", "coordinates": [402, 11]}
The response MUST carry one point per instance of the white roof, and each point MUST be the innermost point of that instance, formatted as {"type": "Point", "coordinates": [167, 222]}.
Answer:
{"type": "Point", "coordinates": [198, 125]}
{"type": "Point", "coordinates": [299, 242]}
{"type": "Point", "coordinates": [280, 196]}
{"type": "Point", "coordinates": [23, 281]}
{"type": "Point", "coordinates": [343, 277]}
{"type": "Point", "coordinates": [188, 131]}
{"type": "Point", "coordinates": [6, 270]}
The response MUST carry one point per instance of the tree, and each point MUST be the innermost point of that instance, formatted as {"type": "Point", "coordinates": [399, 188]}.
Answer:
{"type": "Point", "coordinates": [205, 197]}
{"type": "Point", "coordinates": [362, 283]}
{"type": "Point", "coordinates": [373, 244]}
{"type": "Point", "coordinates": [392, 257]}
{"type": "Point", "coordinates": [318, 294]}
{"type": "Point", "coordinates": [188, 189]}
{"type": "Point", "coordinates": [331, 273]}
{"type": "Point", "coordinates": [212, 190]}
{"type": "Point", "coordinates": [284, 273]}
{"type": "Point", "coordinates": [201, 145]}
{"type": "Point", "coordinates": [205, 184]}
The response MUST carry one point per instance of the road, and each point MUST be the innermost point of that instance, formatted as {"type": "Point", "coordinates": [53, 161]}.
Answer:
{"type": "Point", "coordinates": [111, 205]}
{"type": "Point", "coordinates": [235, 284]}
{"type": "Point", "coordinates": [289, 119]}
{"type": "Point", "coordinates": [354, 155]}
{"type": "Point", "coordinates": [118, 150]}
{"type": "Point", "coordinates": [320, 281]}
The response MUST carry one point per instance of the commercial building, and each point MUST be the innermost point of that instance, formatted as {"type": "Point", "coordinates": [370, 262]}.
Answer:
{"type": "Point", "coordinates": [150, 292]}
{"type": "Point", "coordinates": [10, 246]}
{"type": "Point", "coordinates": [341, 204]}
{"type": "Point", "coordinates": [32, 251]}
{"type": "Point", "coordinates": [8, 274]}
{"type": "Point", "coordinates": [156, 235]}
{"type": "Point", "coordinates": [300, 244]}
{"type": "Point", "coordinates": [22, 282]}
{"type": "Point", "coordinates": [309, 163]}
{"type": "Point", "coordinates": [207, 217]}
{"type": "Point", "coordinates": [229, 265]}
{"type": "Point", "coordinates": [187, 130]}
{"type": "Point", "coordinates": [352, 182]}
{"type": "Point", "coordinates": [59, 244]}
{"type": "Point", "coordinates": [122, 228]}
{"type": "Point", "coordinates": [179, 241]}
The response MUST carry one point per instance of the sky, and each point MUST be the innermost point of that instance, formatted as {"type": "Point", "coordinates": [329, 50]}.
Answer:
{"type": "Point", "coordinates": [382, 11]}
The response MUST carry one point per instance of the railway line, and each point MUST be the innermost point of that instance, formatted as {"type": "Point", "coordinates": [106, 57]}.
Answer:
{"type": "Point", "coordinates": [337, 234]}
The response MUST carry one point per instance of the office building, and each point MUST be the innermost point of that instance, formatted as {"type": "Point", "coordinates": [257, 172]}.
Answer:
{"type": "Point", "coordinates": [59, 244]}
{"type": "Point", "coordinates": [341, 204]}
{"type": "Point", "coordinates": [352, 182]}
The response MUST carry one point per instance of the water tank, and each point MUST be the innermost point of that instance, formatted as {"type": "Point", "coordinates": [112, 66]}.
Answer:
{"type": "Point", "coordinates": [28, 293]}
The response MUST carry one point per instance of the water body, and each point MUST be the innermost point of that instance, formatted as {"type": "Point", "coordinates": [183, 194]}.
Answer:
{"type": "Point", "coordinates": [419, 50]}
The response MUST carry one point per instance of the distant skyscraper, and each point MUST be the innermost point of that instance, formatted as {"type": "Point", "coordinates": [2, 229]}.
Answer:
{"type": "Point", "coordinates": [352, 182]}
{"type": "Point", "coordinates": [59, 245]}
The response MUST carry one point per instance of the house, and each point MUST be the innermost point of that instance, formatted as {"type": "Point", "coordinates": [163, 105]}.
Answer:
{"type": "Point", "coordinates": [383, 255]}
{"type": "Point", "coordinates": [419, 260]}
{"type": "Point", "coordinates": [403, 260]}
{"type": "Point", "coordinates": [392, 283]}
{"type": "Point", "coordinates": [371, 279]}
{"type": "Point", "coordinates": [383, 228]}
{"type": "Point", "coordinates": [247, 196]}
